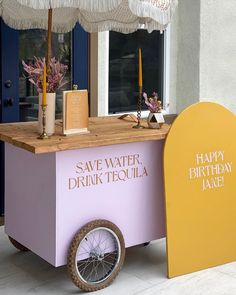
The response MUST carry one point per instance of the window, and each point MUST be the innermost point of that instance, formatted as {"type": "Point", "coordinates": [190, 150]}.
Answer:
{"type": "Point", "coordinates": [123, 68]}
{"type": "Point", "coordinates": [61, 49]}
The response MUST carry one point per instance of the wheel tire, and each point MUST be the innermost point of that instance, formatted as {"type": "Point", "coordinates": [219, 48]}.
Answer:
{"type": "Point", "coordinates": [83, 240]}
{"type": "Point", "coordinates": [17, 245]}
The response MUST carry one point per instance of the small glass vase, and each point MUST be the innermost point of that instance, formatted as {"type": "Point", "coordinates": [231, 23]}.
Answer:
{"type": "Point", "coordinates": [155, 120]}
{"type": "Point", "coordinates": [50, 113]}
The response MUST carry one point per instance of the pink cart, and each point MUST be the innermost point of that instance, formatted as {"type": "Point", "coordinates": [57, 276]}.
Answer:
{"type": "Point", "coordinates": [83, 207]}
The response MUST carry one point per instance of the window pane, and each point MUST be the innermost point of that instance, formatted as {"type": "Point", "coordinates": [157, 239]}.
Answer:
{"type": "Point", "coordinates": [34, 43]}
{"type": "Point", "coordinates": [123, 68]}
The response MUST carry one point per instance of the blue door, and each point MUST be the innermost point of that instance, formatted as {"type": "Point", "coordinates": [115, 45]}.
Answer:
{"type": "Point", "coordinates": [18, 99]}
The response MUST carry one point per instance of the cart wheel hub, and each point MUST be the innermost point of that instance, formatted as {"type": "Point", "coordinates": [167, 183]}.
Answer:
{"type": "Point", "coordinates": [95, 255]}
{"type": "Point", "coordinates": [100, 257]}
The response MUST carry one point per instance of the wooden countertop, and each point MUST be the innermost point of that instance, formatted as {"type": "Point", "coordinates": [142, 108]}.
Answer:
{"type": "Point", "coordinates": [103, 131]}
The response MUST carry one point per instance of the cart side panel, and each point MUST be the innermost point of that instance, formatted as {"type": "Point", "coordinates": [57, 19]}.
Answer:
{"type": "Point", "coordinates": [121, 183]}
{"type": "Point", "coordinates": [30, 200]}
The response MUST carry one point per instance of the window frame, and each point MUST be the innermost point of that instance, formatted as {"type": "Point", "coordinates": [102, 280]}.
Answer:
{"type": "Point", "coordinates": [100, 67]}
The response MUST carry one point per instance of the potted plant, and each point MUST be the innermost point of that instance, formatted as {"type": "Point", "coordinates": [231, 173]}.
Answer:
{"type": "Point", "coordinates": [155, 118]}
{"type": "Point", "coordinates": [55, 80]}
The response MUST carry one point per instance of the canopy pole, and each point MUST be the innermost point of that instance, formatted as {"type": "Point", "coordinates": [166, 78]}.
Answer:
{"type": "Point", "coordinates": [49, 39]}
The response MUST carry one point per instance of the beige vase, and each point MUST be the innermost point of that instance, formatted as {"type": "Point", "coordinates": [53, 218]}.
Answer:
{"type": "Point", "coordinates": [50, 113]}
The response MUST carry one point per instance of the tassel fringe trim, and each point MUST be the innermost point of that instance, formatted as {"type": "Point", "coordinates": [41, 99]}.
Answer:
{"type": "Point", "coordinates": [89, 5]}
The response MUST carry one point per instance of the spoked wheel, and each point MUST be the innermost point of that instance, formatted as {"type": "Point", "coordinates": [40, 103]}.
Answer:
{"type": "Point", "coordinates": [17, 245]}
{"type": "Point", "coordinates": [96, 255]}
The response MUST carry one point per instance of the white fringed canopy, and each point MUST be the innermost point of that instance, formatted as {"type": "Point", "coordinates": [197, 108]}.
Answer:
{"type": "Point", "coordinates": [94, 15]}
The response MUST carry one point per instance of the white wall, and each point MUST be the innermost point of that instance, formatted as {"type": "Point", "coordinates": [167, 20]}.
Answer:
{"type": "Point", "coordinates": [185, 54]}
{"type": "Point", "coordinates": [218, 52]}
{"type": "Point", "coordinates": [205, 59]}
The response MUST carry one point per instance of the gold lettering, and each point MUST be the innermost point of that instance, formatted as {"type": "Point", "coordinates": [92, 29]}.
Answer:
{"type": "Point", "coordinates": [109, 163]}
{"type": "Point", "coordinates": [201, 171]}
{"type": "Point", "coordinates": [79, 167]}
{"type": "Point", "coordinates": [145, 172]}
{"type": "Point", "coordinates": [98, 178]}
{"type": "Point", "coordinates": [88, 167]}
{"type": "Point", "coordinates": [220, 181]}
{"type": "Point", "coordinates": [210, 157]}
{"type": "Point", "coordinates": [193, 173]}
{"type": "Point", "coordinates": [228, 167]}
{"type": "Point", "coordinates": [136, 159]}
{"type": "Point", "coordinates": [81, 181]}
{"type": "Point", "coordinates": [99, 164]}
{"type": "Point", "coordinates": [72, 183]}
{"type": "Point", "coordinates": [205, 184]}
{"type": "Point", "coordinates": [130, 160]}
{"type": "Point", "coordinates": [122, 175]}
{"type": "Point", "coordinates": [213, 182]}
{"type": "Point", "coordinates": [221, 155]}
{"type": "Point", "coordinates": [123, 168]}
{"type": "Point", "coordinates": [109, 175]}
{"type": "Point", "coordinates": [199, 158]}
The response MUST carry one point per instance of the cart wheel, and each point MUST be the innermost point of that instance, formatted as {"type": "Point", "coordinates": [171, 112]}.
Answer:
{"type": "Point", "coordinates": [96, 255]}
{"type": "Point", "coordinates": [18, 245]}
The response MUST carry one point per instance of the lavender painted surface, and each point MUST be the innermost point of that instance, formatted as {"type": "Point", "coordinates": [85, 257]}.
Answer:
{"type": "Point", "coordinates": [50, 197]}
{"type": "Point", "coordinates": [30, 199]}
{"type": "Point", "coordinates": [135, 205]}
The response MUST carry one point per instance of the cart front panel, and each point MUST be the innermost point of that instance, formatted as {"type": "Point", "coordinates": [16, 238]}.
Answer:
{"type": "Point", "coordinates": [121, 183]}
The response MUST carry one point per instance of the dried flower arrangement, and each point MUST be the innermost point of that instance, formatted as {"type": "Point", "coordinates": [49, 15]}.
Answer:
{"type": "Point", "coordinates": [153, 103]}
{"type": "Point", "coordinates": [55, 77]}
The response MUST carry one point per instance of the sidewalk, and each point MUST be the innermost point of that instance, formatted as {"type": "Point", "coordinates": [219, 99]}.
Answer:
{"type": "Point", "coordinates": [144, 273]}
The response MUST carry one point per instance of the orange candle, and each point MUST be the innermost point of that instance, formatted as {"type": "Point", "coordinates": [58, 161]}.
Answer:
{"type": "Point", "coordinates": [140, 69]}
{"type": "Point", "coordinates": [44, 85]}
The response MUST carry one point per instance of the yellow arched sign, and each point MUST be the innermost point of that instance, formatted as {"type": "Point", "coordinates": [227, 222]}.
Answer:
{"type": "Point", "coordinates": [200, 189]}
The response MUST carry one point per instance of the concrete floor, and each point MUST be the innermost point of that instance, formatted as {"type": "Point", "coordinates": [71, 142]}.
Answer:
{"type": "Point", "coordinates": [144, 273]}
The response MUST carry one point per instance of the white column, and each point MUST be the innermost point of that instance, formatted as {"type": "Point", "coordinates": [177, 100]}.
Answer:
{"type": "Point", "coordinates": [188, 54]}
{"type": "Point", "coordinates": [218, 52]}
{"type": "Point", "coordinates": [203, 53]}
{"type": "Point", "coordinates": [99, 73]}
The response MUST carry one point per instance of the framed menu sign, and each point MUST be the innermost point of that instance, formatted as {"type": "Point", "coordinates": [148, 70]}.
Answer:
{"type": "Point", "coordinates": [75, 112]}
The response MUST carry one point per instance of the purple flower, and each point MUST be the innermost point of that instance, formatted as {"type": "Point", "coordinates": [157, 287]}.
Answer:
{"type": "Point", "coordinates": [153, 103]}
{"type": "Point", "coordinates": [55, 77]}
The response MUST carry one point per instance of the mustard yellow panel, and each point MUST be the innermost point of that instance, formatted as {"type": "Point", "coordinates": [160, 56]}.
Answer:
{"type": "Point", "coordinates": [200, 189]}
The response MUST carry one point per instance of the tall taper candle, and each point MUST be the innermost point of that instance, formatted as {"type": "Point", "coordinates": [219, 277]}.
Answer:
{"type": "Point", "coordinates": [44, 85]}
{"type": "Point", "coordinates": [140, 69]}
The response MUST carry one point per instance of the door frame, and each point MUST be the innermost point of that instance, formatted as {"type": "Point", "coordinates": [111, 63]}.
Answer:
{"type": "Point", "coordinates": [9, 70]}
